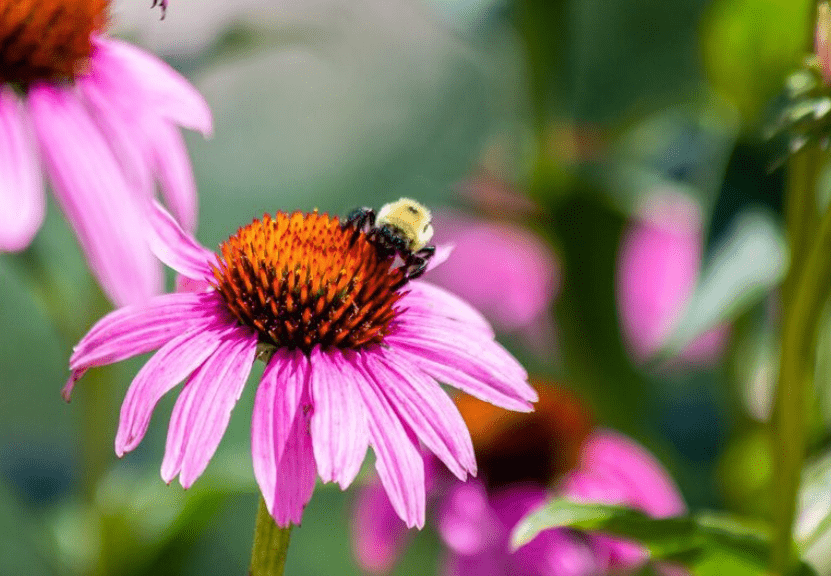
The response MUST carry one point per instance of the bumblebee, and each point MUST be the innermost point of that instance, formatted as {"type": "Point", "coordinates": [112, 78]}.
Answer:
{"type": "Point", "coordinates": [401, 228]}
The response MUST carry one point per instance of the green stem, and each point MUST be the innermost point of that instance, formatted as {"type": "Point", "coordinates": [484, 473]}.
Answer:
{"type": "Point", "coordinates": [805, 291]}
{"type": "Point", "coordinates": [271, 545]}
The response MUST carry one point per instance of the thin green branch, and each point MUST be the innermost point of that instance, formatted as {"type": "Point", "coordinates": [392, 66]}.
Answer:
{"type": "Point", "coordinates": [805, 292]}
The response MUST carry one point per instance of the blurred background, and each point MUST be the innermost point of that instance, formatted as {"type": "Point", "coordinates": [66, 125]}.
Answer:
{"type": "Point", "coordinates": [602, 167]}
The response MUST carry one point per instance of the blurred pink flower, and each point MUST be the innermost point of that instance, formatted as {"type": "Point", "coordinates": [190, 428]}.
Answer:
{"type": "Point", "coordinates": [504, 270]}
{"type": "Point", "coordinates": [822, 46]}
{"type": "Point", "coordinates": [102, 118]}
{"type": "Point", "coordinates": [524, 460]}
{"type": "Point", "coordinates": [353, 359]}
{"type": "Point", "coordinates": [658, 266]}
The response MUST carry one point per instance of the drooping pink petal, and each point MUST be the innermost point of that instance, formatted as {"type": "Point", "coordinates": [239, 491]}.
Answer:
{"type": "Point", "coordinates": [339, 430]}
{"type": "Point", "coordinates": [466, 522]}
{"type": "Point", "coordinates": [140, 328]}
{"type": "Point", "coordinates": [172, 164]}
{"type": "Point", "coordinates": [485, 387]}
{"type": "Point", "coordinates": [378, 534]}
{"type": "Point", "coordinates": [121, 127]}
{"type": "Point", "coordinates": [424, 297]}
{"type": "Point", "coordinates": [489, 562]}
{"type": "Point", "coordinates": [203, 409]}
{"type": "Point", "coordinates": [22, 202]}
{"type": "Point", "coordinates": [153, 84]}
{"type": "Point", "coordinates": [633, 472]}
{"type": "Point", "coordinates": [398, 462]}
{"type": "Point", "coordinates": [560, 552]}
{"type": "Point", "coordinates": [295, 476]}
{"type": "Point", "coordinates": [822, 45]}
{"type": "Point", "coordinates": [505, 271]}
{"type": "Point", "coordinates": [657, 270]}
{"type": "Point", "coordinates": [278, 397]}
{"type": "Point", "coordinates": [464, 358]}
{"type": "Point", "coordinates": [616, 470]}
{"type": "Point", "coordinates": [468, 342]}
{"type": "Point", "coordinates": [176, 248]}
{"type": "Point", "coordinates": [174, 362]}
{"type": "Point", "coordinates": [109, 220]}
{"type": "Point", "coordinates": [426, 409]}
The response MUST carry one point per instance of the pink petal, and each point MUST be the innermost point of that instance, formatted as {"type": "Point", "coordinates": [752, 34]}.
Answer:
{"type": "Point", "coordinates": [281, 389]}
{"type": "Point", "coordinates": [106, 214]}
{"type": "Point", "coordinates": [429, 298]}
{"type": "Point", "coordinates": [490, 562]}
{"type": "Point", "coordinates": [203, 409]}
{"type": "Point", "coordinates": [440, 256]}
{"type": "Point", "coordinates": [295, 476]}
{"type": "Point", "coordinates": [172, 163]}
{"type": "Point", "coordinates": [657, 270]}
{"type": "Point", "coordinates": [178, 249]}
{"type": "Point", "coordinates": [121, 128]}
{"type": "Point", "coordinates": [398, 462]}
{"type": "Point", "coordinates": [378, 534]}
{"type": "Point", "coordinates": [426, 409]}
{"type": "Point", "coordinates": [466, 522]}
{"type": "Point", "coordinates": [170, 365]}
{"type": "Point", "coordinates": [822, 46]}
{"type": "Point", "coordinates": [488, 388]}
{"type": "Point", "coordinates": [140, 328]}
{"type": "Point", "coordinates": [22, 202]}
{"type": "Point", "coordinates": [339, 431]}
{"type": "Point", "coordinates": [634, 471]}
{"type": "Point", "coordinates": [468, 341]}
{"type": "Point", "coordinates": [154, 84]}
{"type": "Point", "coordinates": [505, 271]}
{"type": "Point", "coordinates": [449, 352]}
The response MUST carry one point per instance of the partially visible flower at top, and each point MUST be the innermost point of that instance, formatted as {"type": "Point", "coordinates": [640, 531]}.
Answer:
{"type": "Point", "coordinates": [525, 459]}
{"type": "Point", "coordinates": [822, 40]}
{"type": "Point", "coordinates": [102, 118]}
{"type": "Point", "coordinates": [353, 354]}
{"type": "Point", "coordinates": [658, 266]}
{"type": "Point", "coordinates": [504, 270]}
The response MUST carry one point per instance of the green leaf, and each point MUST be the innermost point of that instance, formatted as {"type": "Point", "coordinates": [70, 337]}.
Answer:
{"type": "Point", "coordinates": [664, 537]}
{"type": "Point", "coordinates": [706, 543]}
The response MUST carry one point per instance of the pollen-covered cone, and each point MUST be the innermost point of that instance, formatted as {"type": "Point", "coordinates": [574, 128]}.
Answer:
{"type": "Point", "coordinates": [102, 118]}
{"type": "Point", "coordinates": [354, 356]}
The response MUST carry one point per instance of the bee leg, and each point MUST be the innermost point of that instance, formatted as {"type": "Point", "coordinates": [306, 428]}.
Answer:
{"type": "Point", "coordinates": [417, 267]}
{"type": "Point", "coordinates": [418, 261]}
{"type": "Point", "coordinates": [362, 219]}
{"type": "Point", "coordinates": [427, 252]}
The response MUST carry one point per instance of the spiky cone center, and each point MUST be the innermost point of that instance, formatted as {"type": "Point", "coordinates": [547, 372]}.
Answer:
{"type": "Point", "coordinates": [300, 280]}
{"type": "Point", "coordinates": [47, 40]}
{"type": "Point", "coordinates": [538, 447]}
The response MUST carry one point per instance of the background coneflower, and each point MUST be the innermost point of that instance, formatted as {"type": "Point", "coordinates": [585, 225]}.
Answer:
{"type": "Point", "coordinates": [525, 459]}
{"type": "Point", "coordinates": [102, 118]}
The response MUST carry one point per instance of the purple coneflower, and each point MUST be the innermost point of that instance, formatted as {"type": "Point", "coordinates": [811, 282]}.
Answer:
{"type": "Point", "coordinates": [102, 117]}
{"type": "Point", "coordinates": [525, 459]}
{"type": "Point", "coordinates": [352, 360]}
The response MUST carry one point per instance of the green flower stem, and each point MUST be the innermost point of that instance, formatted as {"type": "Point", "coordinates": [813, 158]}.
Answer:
{"type": "Point", "coordinates": [804, 293]}
{"type": "Point", "coordinates": [271, 545]}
